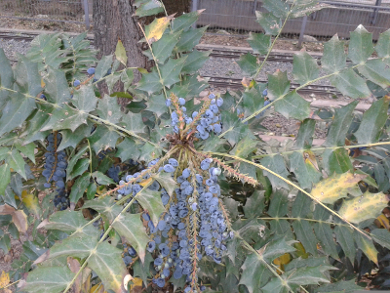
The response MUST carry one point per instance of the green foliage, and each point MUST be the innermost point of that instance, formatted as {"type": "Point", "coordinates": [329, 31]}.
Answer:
{"type": "Point", "coordinates": [295, 212]}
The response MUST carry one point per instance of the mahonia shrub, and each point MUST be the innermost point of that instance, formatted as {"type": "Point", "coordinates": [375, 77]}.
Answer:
{"type": "Point", "coordinates": [178, 193]}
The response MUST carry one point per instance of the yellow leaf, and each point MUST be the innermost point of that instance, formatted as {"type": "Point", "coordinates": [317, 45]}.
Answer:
{"type": "Point", "coordinates": [31, 202]}
{"type": "Point", "coordinates": [368, 248]}
{"type": "Point", "coordinates": [310, 158]}
{"type": "Point", "coordinates": [120, 53]}
{"type": "Point", "coordinates": [42, 83]}
{"type": "Point", "coordinates": [136, 282]}
{"type": "Point", "coordinates": [155, 30]}
{"type": "Point", "coordinates": [145, 182]}
{"type": "Point", "coordinates": [361, 208]}
{"type": "Point", "coordinates": [281, 261]}
{"type": "Point", "coordinates": [98, 288]}
{"type": "Point", "coordinates": [301, 251]}
{"type": "Point", "coordinates": [4, 281]}
{"type": "Point", "coordinates": [384, 222]}
{"type": "Point", "coordinates": [335, 187]}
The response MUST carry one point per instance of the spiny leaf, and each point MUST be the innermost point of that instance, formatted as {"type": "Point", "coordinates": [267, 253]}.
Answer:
{"type": "Point", "coordinates": [105, 206]}
{"type": "Point", "coordinates": [294, 106]}
{"type": "Point", "coordinates": [367, 246]}
{"type": "Point", "coordinates": [383, 45]}
{"type": "Point", "coordinates": [47, 280]}
{"type": "Point", "coordinates": [155, 30]}
{"type": "Point", "coordinates": [337, 161]}
{"type": "Point", "coordinates": [367, 206]}
{"type": "Point", "coordinates": [254, 273]}
{"type": "Point", "coordinates": [130, 227]}
{"type": "Point", "coordinates": [344, 236]}
{"type": "Point", "coordinates": [270, 23]}
{"type": "Point", "coordinates": [195, 61]}
{"type": "Point", "coordinates": [5, 175]}
{"type": "Point", "coordinates": [149, 7]}
{"type": "Point", "coordinates": [278, 8]}
{"type": "Point", "coordinates": [190, 39]}
{"type": "Point", "coordinates": [163, 48]}
{"type": "Point", "coordinates": [376, 71]}
{"type": "Point", "coordinates": [6, 77]}
{"type": "Point", "coordinates": [350, 84]}
{"type": "Point", "coordinates": [79, 187]}
{"type": "Point", "coordinates": [360, 45]}
{"type": "Point", "coordinates": [248, 63]}
{"type": "Point", "coordinates": [278, 84]}
{"type": "Point", "coordinates": [305, 67]}
{"type": "Point", "coordinates": [334, 57]}
{"type": "Point", "coordinates": [373, 121]}
{"type": "Point", "coordinates": [334, 187]}
{"type": "Point", "coordinates": [276, 164]}
{"type": "Point", "coordinates": [151, 201]}
{"type": "Point", "coordinates": [260, 43]}
{"type": "Point", "coordinates": [244, 147]}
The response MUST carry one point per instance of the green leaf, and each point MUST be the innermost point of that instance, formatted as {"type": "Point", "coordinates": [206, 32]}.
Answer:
{"type": "Point", "coordinates": [344, 237]}
{"type": "Point", "coordinates": [305, 175]}
{"type": "Point", "coordinates": [103, 66]}
{"type": "Point", "coordinates": [162, 49]}
{"type": "Point", "coordinates": [151, 201]}
{"type": "Point", "coordinates": [111, 81]}
{"type": "Point", "coordinates": [334, 57]}
{"type": "Point", "coordinates": [148, 8]}
{"type": "Point", "coordinates": [80, 167]}
{"type": "Point", "coordinates": [337, 161]}
{"type": "Point", "coordinates": [340, 286]}
{"type": "Point", "coordinates": [57, 89]}
{"type": "Point", "coordinates": [134, 122]}
{"type": "Point", "coordinates": [65, 118]}
{"type": "Point", "coordinates": [131, 227]}
{"type": "Point", "coordinates": [68, 221]}
{"type": "Point", "coordinates": [128, 149]}
{"type": "Point", "coordinates": [16, 111]}
{"type": "Point", "coordinates": [278, 84]}
{"type": "Point", "coordinates": [72, 162]}
{"type": "Point", "coordinates": [360, 45]}
{"type": "Point", "coordinates": [91, 191]}
{"type": "Point", "coordinates": [324, 234]}
{"type": "Point", "coordinates": [254, 273]}
{"type": "Point", "coordinates": [84, 99]}
{"type": "Point", "coordinates": [107, 263]}
{"type": "Point", "coordinates": [79, 187]}
{"type": "Point", "coordinates": [170, 72]}
{"type": "Point", "coordinates": [34, 125]}
{"type": "Point", "coordinates": [157, 104]}
{"type": "Point", "coordinates": [27, 150]}
{"type": "Point", "coordinates": [373, 121]}
{"type": "Point", "coordinates": [9, 197]}
{"type": "Point", "coordinates": [5, 243]}
{"type": "Point", "coordinates": [109, 110]}
{"type": "Point", "coordinates": [166, 181]}
{"type": "Point", "coordinates": [101, 178]}
{"type": "Point", "coordinates": [5, 175]}
{"type": "Point", "coordinates": [252, 101]}
{"type": "Point", "coordinates": [72, 139]}
{"type": "Point", "coordinates": [244, 147]}
{"type": "Point", "coordinates": [305, 134]}
{"type": "Point", "coordinates": [103, 138]}
{"type": "Point", "coordinates": [195, 61]}
{"type": "Point", "coordinates": [17, 163]}
{"type": "Point", "coordinates": [350, 84]}
{"type": "Point", "coordinates": [270, 23]}
{"type": "Point", "coordinates": [185, 21]}
{"type": "Point", "coordinates": [294, 106]}
{"type": "Point", "coordinates": [260, 43]}
{"type": "Point", "coordinates": [190, 39]}
{"type": "Point", "coordinates": [305, 7]}
{"type": "Point", "coordinates": [6, 77]}
{"type": "Point", "coordinates": [376, 71]}
{"type": "Point", "coordinates": [279, 204]}
{"type": "Point", "coordinates": [381, 236]}
{"type": "Point", "coordinates": [106, 206]}
{"type": "Point", "coordinates": [340, 125]}
{"type": "Point", "coordinates": [48, 279]}
{"type": "Point", "coordinates": [120, 53]}
{"type": "Point", "coordinates": [277, 165]}
{"type": "Point", "coordinates": [382, 46]}
{"type": "Point", "coordinates": [304, 232]}
{"type": "Point", "coordinates": [255, 204]}
{"type": "Point", "coordinates": [305, 68]}
{"type": "Point", "coordinates": [127, 78]}
{"type": "Point", "coordinates": [248, 64]}
{"type": "Point", "coordinates": [278, 8]}
{"type": "Point", "coordinates": [141, 270]}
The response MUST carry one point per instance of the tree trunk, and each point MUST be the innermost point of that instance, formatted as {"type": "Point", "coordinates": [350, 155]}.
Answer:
{"type": "Point", "coordinates": [113, 20]}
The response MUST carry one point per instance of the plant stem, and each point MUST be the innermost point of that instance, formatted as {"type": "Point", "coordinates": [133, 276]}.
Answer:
{"type": "Point", "coordinates": [295, 186]}
{"type": "Point", "coordinates": [90, 157]}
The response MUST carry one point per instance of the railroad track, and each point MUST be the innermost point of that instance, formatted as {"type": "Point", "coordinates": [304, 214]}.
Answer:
{"type": "Point", "coordinates": [235, 83]}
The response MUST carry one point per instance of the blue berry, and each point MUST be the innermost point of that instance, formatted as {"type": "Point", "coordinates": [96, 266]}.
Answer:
{"type": "Point", "coordinates": [91, 71]}
{"type": "Point", "coordinates": [265, 92]}
{"type": "Point", "coordinates": [76, 83]}
{"type": "Point", "coordinates": [169, 168]}
{"type": "Point", "coordinates": [182, 101]}
{"type": "Point", "coordinates": [167, 102]}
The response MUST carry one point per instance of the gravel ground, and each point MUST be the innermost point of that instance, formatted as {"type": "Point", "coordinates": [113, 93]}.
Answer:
{"type": "Point", "coordinates": [13, 47]}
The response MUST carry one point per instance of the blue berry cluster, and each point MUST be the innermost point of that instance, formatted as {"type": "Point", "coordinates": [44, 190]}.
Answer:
{"type": "Point", "coordinates": [193, 223]}
{"type": "Point", "coordinates": [54, 170]}
{"type": "Point", "coordinates": [113, 172]}
{"type": "Point", "coordinates": [208, 123]}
